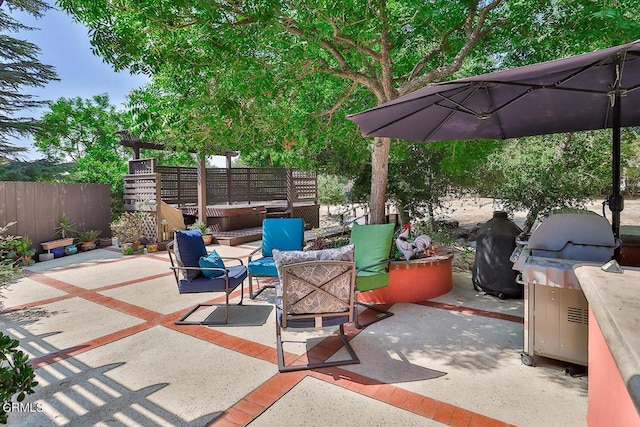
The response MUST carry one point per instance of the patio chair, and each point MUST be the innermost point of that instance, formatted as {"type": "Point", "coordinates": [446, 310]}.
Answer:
{"type": "Point", "coordinates": [316, 294]}
{"type": "Point", "coordinates": [285, 234]}
{"type": "Point", "coordinates": [372, 248]}
{"type": "Point", "coordinates": [196, 271]}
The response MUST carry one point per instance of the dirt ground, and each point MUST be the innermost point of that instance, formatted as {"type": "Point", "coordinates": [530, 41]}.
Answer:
{"type": "Point", "coordinates": [470, 212]}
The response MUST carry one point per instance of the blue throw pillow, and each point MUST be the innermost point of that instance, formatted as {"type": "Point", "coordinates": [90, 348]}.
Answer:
{"type": "Point", "coordinates": [189, 247]}
{"type": "Point", "coordinates": [211, 261]}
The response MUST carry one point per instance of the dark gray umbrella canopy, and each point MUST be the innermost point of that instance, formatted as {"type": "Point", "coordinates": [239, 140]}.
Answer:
{"type": "Point", "coordinates": [565, 95]}
{"type": "Point", "coordinates": [596, 90]}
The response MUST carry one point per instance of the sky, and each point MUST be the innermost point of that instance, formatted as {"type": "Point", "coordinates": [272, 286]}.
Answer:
{"type": "Point", "coordinates": [65, 45]}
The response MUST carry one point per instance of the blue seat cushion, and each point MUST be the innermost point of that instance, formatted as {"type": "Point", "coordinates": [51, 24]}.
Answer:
{"type": "Point", "coordinates": [189, 247]}
{"type": "Point", "coordinates": [237, 274]}
{"type": "Point", "coordinates": [285, 234]}
{"type": "Point", "coordinates": [309, 322]}
{"type": "Point", "coordinates": [212, 260]}
{"type": "Point", "coordinates": [264, 266]}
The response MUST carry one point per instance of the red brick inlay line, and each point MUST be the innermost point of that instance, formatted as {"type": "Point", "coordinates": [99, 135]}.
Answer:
{"type": "Point", "coordinates": [265, 395]}
{"type": "Point", "coordinates": [473, 311]}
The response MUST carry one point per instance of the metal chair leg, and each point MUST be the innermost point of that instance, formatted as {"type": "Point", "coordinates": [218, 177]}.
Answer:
{"type": "Point", "coordinates": [353, 358]}
{"type": "Point", "coordinates": [383, 315]}
{"type": "Point", "coordinates": [260, 290]}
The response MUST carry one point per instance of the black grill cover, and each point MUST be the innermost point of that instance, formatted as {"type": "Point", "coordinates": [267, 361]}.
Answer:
{"type": "Point", "coordinates": [492, 270]}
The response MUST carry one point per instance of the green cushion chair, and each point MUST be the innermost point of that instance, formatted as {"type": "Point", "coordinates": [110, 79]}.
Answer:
{"type": "Point", "coordinates": [372, 248]}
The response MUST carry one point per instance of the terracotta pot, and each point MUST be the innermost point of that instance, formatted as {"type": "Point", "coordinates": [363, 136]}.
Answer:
{"type": "Point", "coordinates": [87, 246]}
{"type": "Point", "coordinates": [207, 238]}
{"type": "Point", "coordinates": [414, 281]}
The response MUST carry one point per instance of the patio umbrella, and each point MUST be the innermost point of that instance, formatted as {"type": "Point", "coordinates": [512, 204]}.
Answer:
{"type": "Point", "coordinates": [596, 90]}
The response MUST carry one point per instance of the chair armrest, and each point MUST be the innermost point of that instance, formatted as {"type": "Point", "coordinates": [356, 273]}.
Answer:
{"type": "Point", "coordinates": [224, 270]}
{"type": "Point", "coordinates": [232, 259]}
{"type": "Point", "coordinates": [367, 267]}
{"type": "Point", "coordinates": [253, 252]}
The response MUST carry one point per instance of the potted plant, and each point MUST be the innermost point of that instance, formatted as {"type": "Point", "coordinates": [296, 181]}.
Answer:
{"type": "Point", "coordinates": [87, 239]}
{"type": "Point", "coordinates": [207, 234]}
{"type": "Point", "coordinates": [65, 231]}
{"type": "Point", "coordinates": [24, 251]}
{"type": "Point", "coordinates": [65, 228]}
{"type": "Point", "coordinates": [129, 228]}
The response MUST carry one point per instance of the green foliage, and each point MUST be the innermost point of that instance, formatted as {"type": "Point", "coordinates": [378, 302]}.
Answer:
{"type": "Point", "coordinates": [16, 375]}
{"type": "Point", "coordinates": [9, 270]}
{"type": "Point", "coordinates": [538, 174]}
{"type": "Point", "coordinates": [41, 170]}
{"type": "Point", "coordinates": [65, 228]}
{"type": "Point", "coordinates": [201, 227]}
{"type": "Point", "coordinates": [20, 69]}
{"type": "Point", "coordinates": [630, 153]}
{"type": "Point", "coordinates": [331, 190]}
{"type": "Point", "coordinates": [275, 81]}
{"type": "Point", "coordinates": [89, 235]}
{"type": "Point", "coordinates": [83, 131]}
{"type": "Point", "coordinates": [129, 228]}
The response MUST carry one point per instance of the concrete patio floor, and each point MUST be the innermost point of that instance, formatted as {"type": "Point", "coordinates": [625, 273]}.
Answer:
{"type": "Point", "coordinates": [98, 326]}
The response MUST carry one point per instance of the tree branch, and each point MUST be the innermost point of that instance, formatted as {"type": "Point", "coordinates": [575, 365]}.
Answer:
{"type": "Point", "coordinates": [474, 32]}
{"type": "Point", "coordinates": [340, 102]}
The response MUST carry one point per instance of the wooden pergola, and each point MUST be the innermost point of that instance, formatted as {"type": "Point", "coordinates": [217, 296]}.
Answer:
{"type": "Point", "coordinates": [135, 143]}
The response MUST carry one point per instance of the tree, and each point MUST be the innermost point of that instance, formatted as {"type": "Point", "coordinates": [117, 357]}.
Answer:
{"type": "Point", "coordinates": [83, 131]}
{"type": "Point", "coordinates": [553, 171]}
{"type": "Point", "coordinates": [233, 65]}
{"type": "Point", "coordinates": [41, 170]}
{"type": "Point", "coordinates": [19, 68]}
{"type": "Point", "coordinates": [330, 191]}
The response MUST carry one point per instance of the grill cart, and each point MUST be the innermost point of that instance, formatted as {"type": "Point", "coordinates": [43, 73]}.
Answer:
{"type": "Point", "coordinates": [555, 308]}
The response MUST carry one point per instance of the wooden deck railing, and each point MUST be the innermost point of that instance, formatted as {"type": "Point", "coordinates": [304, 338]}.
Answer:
{"type": "Point", "coordinates": [147, 184]}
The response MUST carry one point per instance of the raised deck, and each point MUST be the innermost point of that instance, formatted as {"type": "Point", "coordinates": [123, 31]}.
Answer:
{"type": "Point", "coordinates": [237, 237]}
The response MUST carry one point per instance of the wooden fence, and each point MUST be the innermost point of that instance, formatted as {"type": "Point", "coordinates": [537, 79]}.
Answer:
{"type": "Point", "coordinates": [38, 206]}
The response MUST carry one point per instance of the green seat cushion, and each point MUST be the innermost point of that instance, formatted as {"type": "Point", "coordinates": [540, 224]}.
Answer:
{"type": "Point", "coordinates": [367, 281]}
{"type": "Point", "coordinates": [372, 244]}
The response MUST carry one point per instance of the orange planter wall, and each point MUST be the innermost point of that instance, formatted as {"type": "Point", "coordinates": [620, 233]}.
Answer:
{"type": "Point", "coordinates": [414, 281]}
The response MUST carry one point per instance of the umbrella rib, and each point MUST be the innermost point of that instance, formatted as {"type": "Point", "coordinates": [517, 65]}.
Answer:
{"type": "Point", "coordinates": [481, 116]}
{"type": "Point", "coordinates": [453, 110]}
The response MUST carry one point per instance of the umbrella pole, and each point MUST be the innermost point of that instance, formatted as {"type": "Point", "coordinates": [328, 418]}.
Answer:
{"type": "Point", "coordinates": [616, 201]}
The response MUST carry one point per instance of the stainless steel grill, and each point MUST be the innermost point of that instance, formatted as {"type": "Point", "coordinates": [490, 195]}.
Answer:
{"type": "Point", "coordinates": [556, 311]}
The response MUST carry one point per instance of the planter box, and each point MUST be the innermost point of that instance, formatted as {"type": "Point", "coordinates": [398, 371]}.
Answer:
{"type": "Point", "coordinates": [414, 281]}
{"type": "Point", "coordinates": [57, 243]}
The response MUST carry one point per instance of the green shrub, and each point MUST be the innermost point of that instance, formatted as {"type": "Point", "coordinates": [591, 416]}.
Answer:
{"type": "Point", "coordinates": [16, 375]}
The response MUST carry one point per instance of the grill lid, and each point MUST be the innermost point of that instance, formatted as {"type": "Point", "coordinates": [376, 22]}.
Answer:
{"type": "Point", "coordinates": [587, 228]}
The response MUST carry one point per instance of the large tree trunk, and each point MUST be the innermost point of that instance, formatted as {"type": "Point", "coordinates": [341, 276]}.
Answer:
{"type": "Point", "coordinates": [379, 175]}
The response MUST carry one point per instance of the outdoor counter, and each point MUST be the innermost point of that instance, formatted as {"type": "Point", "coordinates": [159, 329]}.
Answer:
{"type": "Point", "coordinates": [614, 345]}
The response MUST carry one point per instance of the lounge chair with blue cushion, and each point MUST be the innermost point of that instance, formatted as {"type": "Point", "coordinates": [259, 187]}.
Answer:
{"type": "Point", "coordinates": [197, 271]}
{"type": "Point", "coordinates": [285, 234]}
